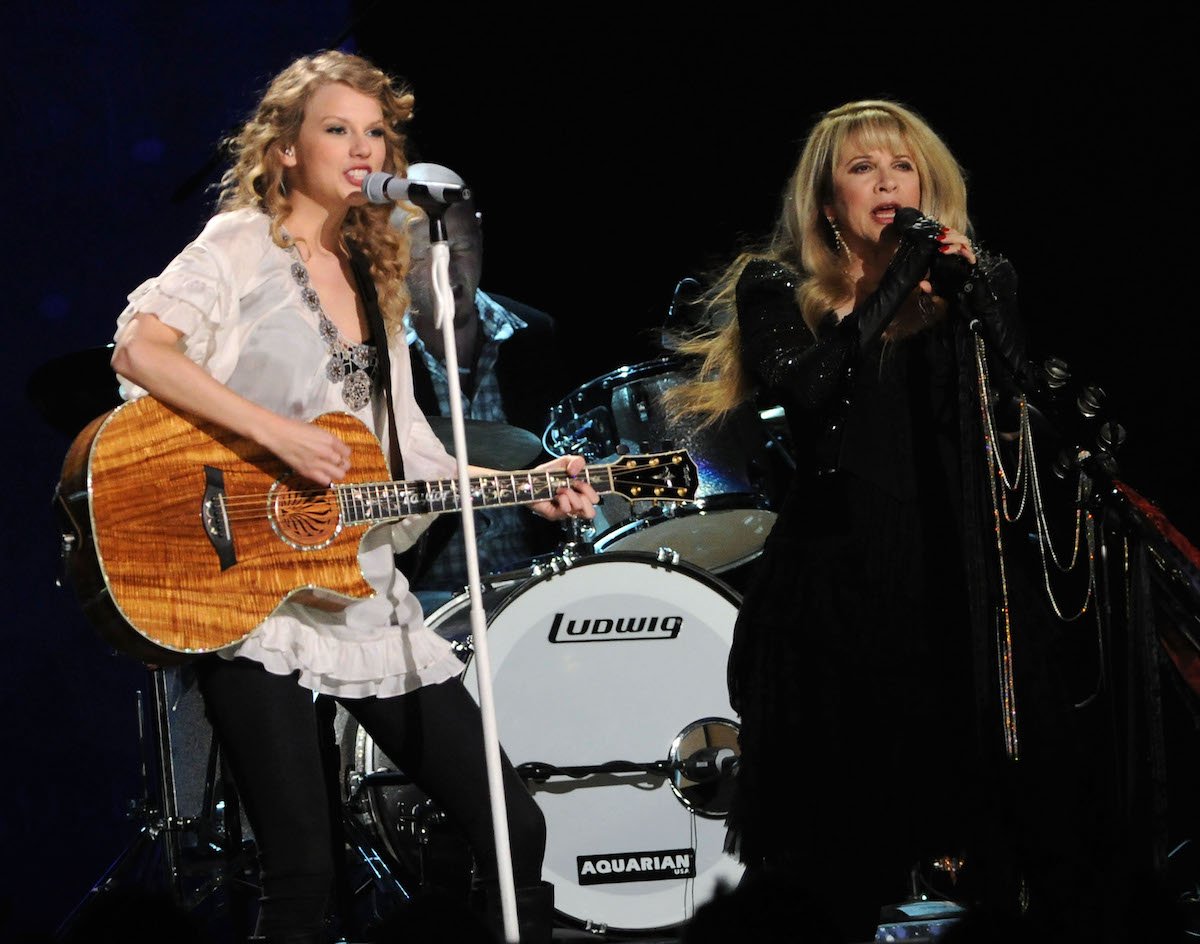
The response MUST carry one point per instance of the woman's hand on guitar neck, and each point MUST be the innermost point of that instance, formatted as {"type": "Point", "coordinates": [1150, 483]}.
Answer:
{"type": "Point", "coordinates": [578, 501]}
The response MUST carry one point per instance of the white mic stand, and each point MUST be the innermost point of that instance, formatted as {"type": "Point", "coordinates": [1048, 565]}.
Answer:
{"type": "Point", "coordinates": [444, 318]}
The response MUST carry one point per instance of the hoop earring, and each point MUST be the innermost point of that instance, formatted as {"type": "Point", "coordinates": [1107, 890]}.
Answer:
{"type": "Point", "coordinates": [839, 245]}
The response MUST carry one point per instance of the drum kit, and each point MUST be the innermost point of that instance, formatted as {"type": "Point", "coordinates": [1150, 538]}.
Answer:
{"type": "Point", "coordinates": [608, 662]}
{"type": "Point", "coordinates": [608, 657]}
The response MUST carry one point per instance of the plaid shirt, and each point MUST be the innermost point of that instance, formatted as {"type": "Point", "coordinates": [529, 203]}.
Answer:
{"type": "Point", "coordinates": [502, 533]}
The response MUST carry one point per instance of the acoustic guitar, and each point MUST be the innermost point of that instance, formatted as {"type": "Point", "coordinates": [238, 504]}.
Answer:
{"type": "Point", "coordinates": [181, 536]}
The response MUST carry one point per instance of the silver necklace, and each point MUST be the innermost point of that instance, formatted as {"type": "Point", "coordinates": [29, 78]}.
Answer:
{"type": "Point", "coordinates": [351, 365]}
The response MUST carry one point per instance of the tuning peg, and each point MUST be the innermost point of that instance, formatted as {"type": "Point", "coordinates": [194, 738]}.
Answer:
{"type": "Point", "coordinates": [1056, 371]}
{"type": "Point", "coordinates": [1090, 400]}
{"type": "Point", "coordinates": [1111, 436]}
{"type": "Point", "coordinates": [1064, 462]}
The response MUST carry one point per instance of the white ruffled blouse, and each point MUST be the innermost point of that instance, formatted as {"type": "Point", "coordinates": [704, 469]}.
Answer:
{"type": "Point", "coordinates": [232, 295]}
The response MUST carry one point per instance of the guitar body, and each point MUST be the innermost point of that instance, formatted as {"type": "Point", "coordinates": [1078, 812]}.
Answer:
{"type": "Point", "coordinates": [188, 536]}
{"type": "Point", "coordinates": [180, 537]}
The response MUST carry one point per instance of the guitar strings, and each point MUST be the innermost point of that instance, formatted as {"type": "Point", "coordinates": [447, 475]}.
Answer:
{"type": "Point", "coordinates": [257, 505]}
{"type": "Point", "coordinates": [254, 506]}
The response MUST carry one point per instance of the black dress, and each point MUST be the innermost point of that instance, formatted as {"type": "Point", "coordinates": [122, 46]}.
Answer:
{"type": "Point", "coordinates": [855, 666]}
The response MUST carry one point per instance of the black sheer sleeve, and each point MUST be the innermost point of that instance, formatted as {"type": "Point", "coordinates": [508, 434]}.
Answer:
{"type": "Point", "coordinates": [778, 350]}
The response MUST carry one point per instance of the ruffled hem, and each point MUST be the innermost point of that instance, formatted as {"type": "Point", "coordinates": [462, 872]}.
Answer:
{"type": "Point", "coordinates": [400, 661]}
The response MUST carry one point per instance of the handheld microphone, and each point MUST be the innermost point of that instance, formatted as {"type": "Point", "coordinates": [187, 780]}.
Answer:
{"type": "Point", "coordinates": [426, 186]}
{"type": "Point", "coordinates": [947, 274]}
{"type": "Point", "coordinates": [905, 219]}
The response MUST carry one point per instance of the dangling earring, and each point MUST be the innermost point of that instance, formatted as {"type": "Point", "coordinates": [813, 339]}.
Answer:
{"type": "Point", "coordinates": [839, 245]}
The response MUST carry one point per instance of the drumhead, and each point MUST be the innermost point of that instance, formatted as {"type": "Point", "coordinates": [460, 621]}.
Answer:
{"type": "Point", "coordinates": [582, 421]}
{"type": "Point", "coordinates": [611, 660]}
{"type": "Point", "coordinates": [717, 538]}
{"type": "Point", "coordinates": [739, 472]}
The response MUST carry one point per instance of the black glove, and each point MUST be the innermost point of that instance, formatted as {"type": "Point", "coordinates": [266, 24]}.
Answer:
{"type": "Point", "coordinates": [948, 274]}
{"type": "Point", "coordinates": [918, 245]}
{"type": "Point", "coordinates": [989, 296]}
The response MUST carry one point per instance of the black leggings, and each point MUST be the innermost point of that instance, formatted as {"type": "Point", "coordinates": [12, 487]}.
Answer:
{"type": "Point", "coordinates": [267, 725]}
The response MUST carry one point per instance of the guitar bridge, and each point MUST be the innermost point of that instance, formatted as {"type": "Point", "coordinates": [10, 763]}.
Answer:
{"type": "Point", "coordinates": [215, 515]}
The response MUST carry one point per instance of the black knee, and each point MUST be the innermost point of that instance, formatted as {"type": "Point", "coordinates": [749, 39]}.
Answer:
{"type": "Point", "coordinates": [527, 826]}
{"type": "Point", "coordinates": [526, 837]}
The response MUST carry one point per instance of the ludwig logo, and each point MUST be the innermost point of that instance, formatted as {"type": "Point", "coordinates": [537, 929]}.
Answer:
{"type": "Point", "coordinates": [636, 866]}
{"type": "Point", "coordinates": [601, 629]}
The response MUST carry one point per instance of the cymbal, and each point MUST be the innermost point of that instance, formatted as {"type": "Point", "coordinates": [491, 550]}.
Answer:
{"type": "Point", "coordinates": [495, 445]}
{"type": "Point", "coordinates": [72, 390]}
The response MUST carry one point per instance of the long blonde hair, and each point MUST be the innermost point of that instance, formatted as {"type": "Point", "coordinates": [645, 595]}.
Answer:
{"type": "Point", "coordinates": [803, 240]}
{"type": "Point", "coordinates": [255, 178]}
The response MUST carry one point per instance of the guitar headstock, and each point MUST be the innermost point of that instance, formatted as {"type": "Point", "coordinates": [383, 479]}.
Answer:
{"type": "Point", "coordinates": [660, 477]}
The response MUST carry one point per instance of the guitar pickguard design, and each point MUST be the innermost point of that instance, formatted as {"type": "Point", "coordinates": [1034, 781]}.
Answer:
{"type": "Point", "coordinates": [304, 515]}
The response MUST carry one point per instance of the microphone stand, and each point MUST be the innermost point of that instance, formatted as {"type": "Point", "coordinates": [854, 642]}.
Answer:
{"type": "Point", "coordinates": [444, 318]}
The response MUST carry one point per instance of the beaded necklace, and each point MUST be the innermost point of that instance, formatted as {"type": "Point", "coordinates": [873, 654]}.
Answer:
{"type": "Point", "coordinates": [352, 365]}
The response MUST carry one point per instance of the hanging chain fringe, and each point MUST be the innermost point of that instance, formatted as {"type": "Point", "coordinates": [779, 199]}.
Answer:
{"type": "Point", "coordinates": [1023, 486]}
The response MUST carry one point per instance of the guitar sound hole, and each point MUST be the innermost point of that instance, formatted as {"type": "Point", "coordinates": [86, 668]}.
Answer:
{"type": "Point", "coordinates": [303, 514]}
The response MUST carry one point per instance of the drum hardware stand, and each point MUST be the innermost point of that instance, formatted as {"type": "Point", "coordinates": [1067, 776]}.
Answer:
{"type": "Point", "coordinates": [580, 534]}
{"type": "Point", "coordinates": [775, 439]}
{"type": "Point", "coordinates": [421, 817]}
{"type": "Point", "coordinates": [540, 770]}
{"type": "Point", "coordinates": [161, 825]}
{"type": "Point", "coordinates": [704, 753]}
{"type": "Point", "coordinates": [381, 881]}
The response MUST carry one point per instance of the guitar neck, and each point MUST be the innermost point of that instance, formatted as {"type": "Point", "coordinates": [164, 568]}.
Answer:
{"type": "Point", "coordinates": [378, 502]}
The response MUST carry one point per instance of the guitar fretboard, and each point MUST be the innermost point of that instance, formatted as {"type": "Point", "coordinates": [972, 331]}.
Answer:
{"type": "Point", "coordinates": [373, 502]}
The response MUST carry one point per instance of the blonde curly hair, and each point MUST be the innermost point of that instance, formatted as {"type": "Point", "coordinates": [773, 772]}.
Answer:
{"type": "Point", "coordinates": [255, 177]}
{"type": "Point", "coordinates": [803, 240]}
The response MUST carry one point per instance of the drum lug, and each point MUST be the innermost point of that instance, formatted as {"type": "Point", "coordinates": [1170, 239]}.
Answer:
{"type": "Point", "coordinates": [354, 782]}
{"type": "Point", "coordinates": [667, 556]}
{"type": "Point", "coordinates": [596, 927]}
{"type": "Point", "coordinates": [424, 816]}
{"type": "Point", "coordinates": [558, 564]}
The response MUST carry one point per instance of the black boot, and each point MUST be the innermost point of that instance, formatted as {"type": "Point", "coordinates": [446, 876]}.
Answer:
{"type": "Point", "coordinates": [535, 910]}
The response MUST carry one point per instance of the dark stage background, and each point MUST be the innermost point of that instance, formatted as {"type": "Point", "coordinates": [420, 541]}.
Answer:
{"type": "Point", "coordinates": [612, 154]}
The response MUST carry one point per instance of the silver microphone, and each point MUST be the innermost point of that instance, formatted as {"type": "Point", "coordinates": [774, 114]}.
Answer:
{"type": "Point", "coordinates": [425, 184]}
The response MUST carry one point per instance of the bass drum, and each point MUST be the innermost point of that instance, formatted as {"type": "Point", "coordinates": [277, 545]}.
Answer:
{"type": "Point", "coordinates": [741, 473]}
{"type": "Point", "coordinates": [619, 657]}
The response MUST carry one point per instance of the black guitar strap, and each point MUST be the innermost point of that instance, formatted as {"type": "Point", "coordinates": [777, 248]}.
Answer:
{"type": "Point", "coordinates": [370, 299]}
{"type": "Point", "coordinates": [413, 561]}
